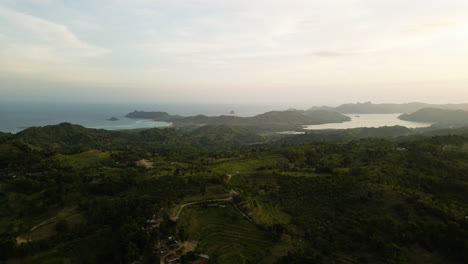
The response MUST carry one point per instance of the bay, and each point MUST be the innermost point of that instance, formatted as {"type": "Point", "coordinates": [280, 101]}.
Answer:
{"type": "Point", "coordinates": [369, 120]}
{"type": "Point", "coordinates": [18, 115]}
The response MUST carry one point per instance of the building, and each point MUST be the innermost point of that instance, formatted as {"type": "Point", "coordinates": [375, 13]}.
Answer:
{"type": "Point", "coordinates": [172, 259]}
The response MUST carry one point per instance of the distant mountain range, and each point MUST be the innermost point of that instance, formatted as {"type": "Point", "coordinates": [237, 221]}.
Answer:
{"type": "Point", "coordinates": [370, 108]}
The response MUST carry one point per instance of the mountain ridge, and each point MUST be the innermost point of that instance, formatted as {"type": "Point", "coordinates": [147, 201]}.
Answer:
{"type": "Point", "coordinates": [387, 108]}
{"type": "Point", "coordinates": [271, 118]}
{"type": "Point", "coordinates": [437, 116]}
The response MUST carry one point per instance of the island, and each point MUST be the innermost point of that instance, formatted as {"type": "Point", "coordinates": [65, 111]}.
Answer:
{"type": "Point", "coordinates": [438, 116]}
{"type": "Point", "coordinates": [273, 120]}
{"type": "Point", "coordinates": [113, 119]}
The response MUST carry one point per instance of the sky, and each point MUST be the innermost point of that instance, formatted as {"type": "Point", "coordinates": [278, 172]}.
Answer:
{"type": "Point", "coordinates": [313, 52]}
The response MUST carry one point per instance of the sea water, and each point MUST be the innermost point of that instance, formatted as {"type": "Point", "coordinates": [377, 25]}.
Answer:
{"type": "Point", "coordinates": [369, 120]}
{"type": "Point", "coordinates": [16, 116]}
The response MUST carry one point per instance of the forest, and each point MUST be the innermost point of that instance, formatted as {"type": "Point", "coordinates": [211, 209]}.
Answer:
{"type": "Point", "coordinates": [75, 195]}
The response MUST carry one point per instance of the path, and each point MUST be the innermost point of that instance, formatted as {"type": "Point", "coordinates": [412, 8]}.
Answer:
{"type": "Point", "coordinates": [182, 206]}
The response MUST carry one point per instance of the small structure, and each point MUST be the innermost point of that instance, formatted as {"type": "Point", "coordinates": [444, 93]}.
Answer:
{"type": "Point", "coordinates": [172, 259]}
{"type": "Point", "coordinates": [160, 248]}
{"type": "Point", "coordinates": [154, 222]}
{"type": "Point", "coordinates": [172, 242]}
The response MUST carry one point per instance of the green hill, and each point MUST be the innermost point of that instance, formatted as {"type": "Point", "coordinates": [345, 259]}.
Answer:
{"type": "Point", "coordinates": [69, 135]}
{"type": "Point", "coordinates": [223, 134]}
{"type": "Point", "coordinates": [72, 136]}
{"type": "Point", "coordinates": [327, 197]}
{"type": "Point", "coordinates": [160, 116]}
{"type": "Point", "coordinates": [5, 136]}
{"type": "Point", "coordinates": [370, 108]}
{"type": "Point", "coordinates": [63, 134]}
{"type": "Point", "coordinates": [438, 116]}
{"type": "Point", "coordinates": [274, 119]}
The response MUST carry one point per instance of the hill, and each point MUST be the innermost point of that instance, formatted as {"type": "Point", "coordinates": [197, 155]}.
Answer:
{"type": "Point", "coordinates": [66, 135]}
{"type": "Point", "coordinates": [328, 197]}
{"type": "Point", "coordinates": [370, 108]}
{"type": "Point", "coordinates": [223, 134]}
{"type": "Point", "coordinates": [273, 120]}
{"type": "Point", "coordinates": [438, 116]}
{"type": "Point", "coordinates": [160, 116]}
{"type": "Point", "coordinates": [4, 136]}
{"type": "Point", "coordinates": [63, 134]}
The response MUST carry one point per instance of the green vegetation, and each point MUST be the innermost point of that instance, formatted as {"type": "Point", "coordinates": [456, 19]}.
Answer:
{"type": "Point", "coordinates": [438, 116]}
{"type": "Point", "coordinates": [222, 232]}
{"type": "Point", "coordinates": [87, 159]}
{"type": "Point", "coordinates": [272, 121]}
{"type": "Point", "coordinates": [370, 108]}
{"type": "Point", "coordinates": [389, 195]}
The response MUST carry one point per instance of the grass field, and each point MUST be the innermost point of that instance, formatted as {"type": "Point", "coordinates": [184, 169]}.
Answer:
{"type": "Point", "coordinates": [244, 166]}
{"type": "Point", "coordinates": [86, 159]}
{"type": "Point", "coordinates": [225, 235]}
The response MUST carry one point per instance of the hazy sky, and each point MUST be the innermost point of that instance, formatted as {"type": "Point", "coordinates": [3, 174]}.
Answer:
{"type": "Point", "coordinates": [295, 51]}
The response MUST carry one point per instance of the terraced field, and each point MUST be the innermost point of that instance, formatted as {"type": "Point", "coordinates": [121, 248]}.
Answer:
{"type": "Point", "coordinates": [225, 235]}
{"type": "Point", "coordinates": [244, 166]}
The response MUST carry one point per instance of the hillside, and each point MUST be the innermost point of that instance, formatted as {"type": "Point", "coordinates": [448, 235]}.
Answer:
{"type": "Point", "coordinates": [223, 134]}
{"type": "Point", "coordinates": [297, 118]}
{"type": "Point", "coordinates": [438, 116]}
{"type": "Point", "coordinates": [370, 108]}
{"type": "Point", "coordinates": [349, 199]}
{"type": "Point", "coordinates": [274, 119]}
{"type": "Point", "coordinates": [63, 134]}
{"type": "Point", "coordinates": [4, 136]}
{"type": "Point", "coordinates": [160, 116]}
{"type": "Point", "coordinates": [71, 136]}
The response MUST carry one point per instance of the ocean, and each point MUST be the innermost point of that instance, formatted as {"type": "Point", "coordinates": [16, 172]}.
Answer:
{"type": "Point", "coordinates": [18, 115]}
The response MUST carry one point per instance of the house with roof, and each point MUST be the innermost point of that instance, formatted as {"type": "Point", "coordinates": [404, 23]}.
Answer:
{"type": "Point", "coordinates": [172, 259]}
{"type": "Point", "coordinates": [154, 222]}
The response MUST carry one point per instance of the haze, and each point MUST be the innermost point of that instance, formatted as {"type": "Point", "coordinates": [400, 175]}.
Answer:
{"type": "Point", "coordinates": [213, 51]}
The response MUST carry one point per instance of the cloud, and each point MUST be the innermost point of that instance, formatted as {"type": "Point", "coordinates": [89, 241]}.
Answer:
{"type": "Point", "coordinates": [146, 12]}
{"type": "Point", "coordinates": [156, 70]}
{"type": "Point", "coordinates": [188, 44]}
{"type": "Point", "coordinates": [44, 2]}
{"type": "Point", "coordinates": [332, 53]}
{"type": "Point", "coordinates": [430, 26]}
{"type": "Point", "coordinates": [44, 32]}
{"type": "Point", "coordinates": [39, 49]}
{"type": "Point", "coordinates": [85, 25]}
